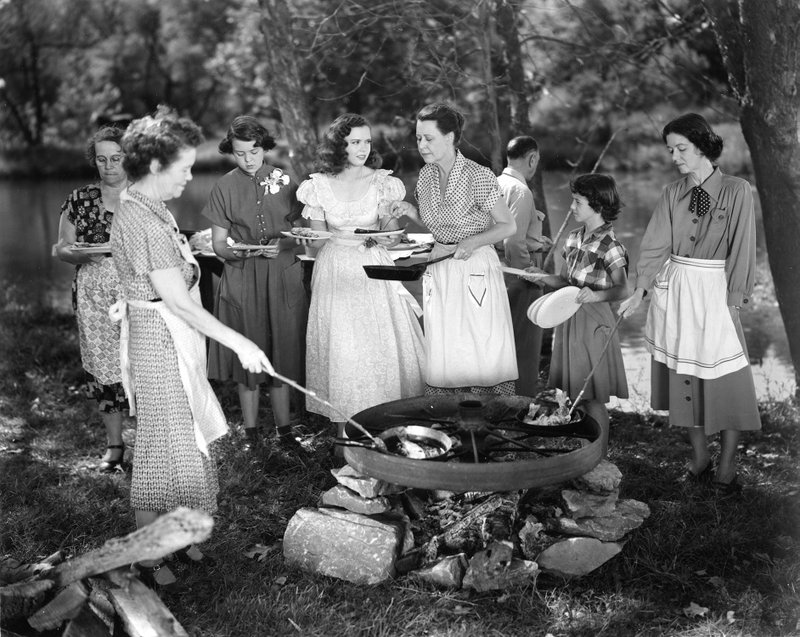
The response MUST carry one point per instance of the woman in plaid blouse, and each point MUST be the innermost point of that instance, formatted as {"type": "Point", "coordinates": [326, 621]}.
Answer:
{"type": "Point", "coordinates": [469, 337]}
{"type": "Point", "coordinates": [596, 262]}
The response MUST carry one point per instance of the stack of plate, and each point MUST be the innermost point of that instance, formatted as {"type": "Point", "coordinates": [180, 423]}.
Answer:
{"type": "Point", "coordinates": [554, 308]}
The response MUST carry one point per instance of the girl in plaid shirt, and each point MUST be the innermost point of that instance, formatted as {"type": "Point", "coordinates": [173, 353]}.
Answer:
{"type": "Point", "coordinates": [596, 262]}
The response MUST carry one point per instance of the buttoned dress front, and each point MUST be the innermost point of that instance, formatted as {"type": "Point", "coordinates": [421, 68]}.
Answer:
{"type": "Point", "coordinates": [469, 335]}
{"type": "Point", "coordinates": [725, 234]}
{"type": "Point", "coordinates": [262, 298]}
{"type": "Point", "coordinates": [590, 260]}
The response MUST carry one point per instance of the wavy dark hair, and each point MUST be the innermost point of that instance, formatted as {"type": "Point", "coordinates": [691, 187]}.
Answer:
{"type": "Point", "coordinates": [246, 129]}
{"type": "Point", "coordinates": [447, 117]}
{"type": "Point", "coordinates": [332, 153]}
{"type": "Point", "coordinates": [697, 130]}
{"type": "Point", "coordinates": [160, 136]}
{"type": "Point", "coordinates": [601, 192]}
{"type": "Point", "coordinates": [102, 134]}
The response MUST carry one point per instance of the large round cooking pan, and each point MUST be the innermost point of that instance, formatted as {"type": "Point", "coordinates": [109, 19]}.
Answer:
{"type": "Point", "coordinates": [412, 441]}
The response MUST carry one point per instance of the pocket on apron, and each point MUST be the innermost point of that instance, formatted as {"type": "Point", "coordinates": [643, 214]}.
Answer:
{"type": "Point", "coordinates": [476, 285]}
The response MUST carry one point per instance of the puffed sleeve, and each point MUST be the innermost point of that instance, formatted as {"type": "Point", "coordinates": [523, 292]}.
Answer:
{"type": "Point", "coordinates": [389, 189]}
{"type": "Point", "coordinates": [308, 194]}
{"type": "Point", "coordinates": [741, 259]}
{"type": "Point", "coordinates": [656, 243]}
{"type": "Point", "coordinates": [70, 207]}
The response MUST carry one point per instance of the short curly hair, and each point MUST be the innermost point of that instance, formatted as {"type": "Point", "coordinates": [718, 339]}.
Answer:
{"type": "Point", "coordinates": [246, 129]}
{"type": "Point", "coordinates": [102, 134]}
{"type": "Point", "coordinates": [332, 153]}
{"type": "Point", "coordinates": [697, 130]}
{"type": "Point", "coordinates": [161, 136]}
{"type": "Point", "coordinates": [447, 117]}
{"type": "Point", "coordinates": [601, 192]}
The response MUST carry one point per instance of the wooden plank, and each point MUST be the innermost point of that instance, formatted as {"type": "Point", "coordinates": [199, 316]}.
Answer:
{"type": "Point", "coordinates": [19, 600]}
{"type": "Point", "coordinates": [169, 533]}
{"type": "Point", "coordinates": [141, 610]}
{"type": "Point", "coordinates": [64, 606]}
{"type": "Point", "coordinates": [86, 624]}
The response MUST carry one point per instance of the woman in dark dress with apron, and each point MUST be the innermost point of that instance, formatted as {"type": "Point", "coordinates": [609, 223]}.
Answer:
{"type": "Point", "coordinates": [698, 263]}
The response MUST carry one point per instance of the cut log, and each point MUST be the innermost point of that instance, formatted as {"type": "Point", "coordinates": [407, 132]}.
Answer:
{"type": "Point", "coordinates": [140, 609]}
{"type": "Point", "coordinates": [169, 533]}
{"type": "Point", "coordinates": [19, 600]}
{"type": "Point", "coordinates": [66, 605]}
{"type": "Point", "coordinates": [86, 624]}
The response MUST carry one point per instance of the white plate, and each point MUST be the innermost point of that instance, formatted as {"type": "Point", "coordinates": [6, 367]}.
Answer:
{"type": "Point", "coordinates": [533, 309]}
{"type": "Point", "coordinates": [557, 307]}
{"type": "Point", "coordinates": [316, 235]}
{"type": "Point", "coordinates": [95, 248]}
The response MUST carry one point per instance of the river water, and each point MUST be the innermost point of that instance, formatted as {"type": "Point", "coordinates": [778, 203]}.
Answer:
{"type": "Point", "coordinates": [29, 213]}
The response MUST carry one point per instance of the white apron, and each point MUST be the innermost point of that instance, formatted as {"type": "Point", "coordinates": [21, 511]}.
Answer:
{"type": "Point", "coordinates": [689, 326]}
{"type": "Point", "coordinates": [190, 348]}
{"type": "Point", "coordinates": [469, 336]}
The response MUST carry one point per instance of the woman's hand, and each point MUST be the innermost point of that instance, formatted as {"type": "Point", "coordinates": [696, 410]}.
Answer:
{"type": "Point", "coordinates": [465, 248]}
{"type": "Point", "coordinates": [252, 358]}
{"type": "Point", "coordinates": [587, 295]}
{"type": "Point", "coordinates": [631, 304]}
{"type": "Point", "coordinates": [400, 208]}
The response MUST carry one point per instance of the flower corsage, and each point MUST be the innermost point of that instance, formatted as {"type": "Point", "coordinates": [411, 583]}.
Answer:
{"type": "Point", "coordinates": [273, 182]}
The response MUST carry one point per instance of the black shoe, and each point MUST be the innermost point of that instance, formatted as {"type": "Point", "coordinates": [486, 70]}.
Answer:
{"type": "Point", "coordinates": [184, 557]}
{"type": "Point", "coordinates": [112, 466]}
{"type": "Point", "coordinates": [253, 438]}
{"type": "Point", "coordinates": [725, 489]}
{"type": "Point", "coordinates": [157, 577]}
{"type": "Point", "coordinates": [702, 478]}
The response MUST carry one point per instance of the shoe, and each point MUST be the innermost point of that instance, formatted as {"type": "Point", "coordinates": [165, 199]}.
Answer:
{"type": "Point", "coordinates": [727, 488]}
{"type": "Point", "coordinates": [253, 438]}
{"type": "Point", "coordinates": [192, 555]}
{"type": "Point", "coordinates": [288, 441]}
{"type": "Point", "coordinates": [704, 477]}
{"type": "Point", "coordinates": [157, 576]}
{"type": "Point", "coordinates": [111, 466]}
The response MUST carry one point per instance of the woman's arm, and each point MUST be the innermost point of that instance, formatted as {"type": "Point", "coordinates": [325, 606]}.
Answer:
{"type": "Point", "coordinates": [504, 226]}
{"type": "Point", "coordinates": [66, 237]}
{"type": "Point", "coordinates": [170, 286]}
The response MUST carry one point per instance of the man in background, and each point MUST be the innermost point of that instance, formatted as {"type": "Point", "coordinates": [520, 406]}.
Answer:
{"type": "Point", "coordinates": [523, 249]}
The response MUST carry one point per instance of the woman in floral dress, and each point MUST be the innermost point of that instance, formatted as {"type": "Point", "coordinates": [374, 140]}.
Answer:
{"type": "Point", "coordinates": [364, 340]}
{"type": "Point", "coordinates": [261, 293]}
{"type": "Point", "coordinates": [164, 323]}
{"type": "Point", "coordinates": [86, 218]}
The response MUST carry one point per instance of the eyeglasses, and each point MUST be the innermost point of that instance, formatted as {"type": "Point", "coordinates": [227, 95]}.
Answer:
{"type": "Point", "coordinates": [109, 161]}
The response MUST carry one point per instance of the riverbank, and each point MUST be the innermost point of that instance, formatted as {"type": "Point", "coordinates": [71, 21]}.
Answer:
{"type": "Point", "coordinates": [699, 566]}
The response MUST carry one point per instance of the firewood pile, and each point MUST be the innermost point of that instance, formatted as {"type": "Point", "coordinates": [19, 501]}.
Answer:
{"type": "Point", "coordinates": [97, 593]}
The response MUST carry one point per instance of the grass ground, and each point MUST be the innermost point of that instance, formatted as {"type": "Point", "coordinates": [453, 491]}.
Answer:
{"type": "Point", "coordinates": [699, 565]}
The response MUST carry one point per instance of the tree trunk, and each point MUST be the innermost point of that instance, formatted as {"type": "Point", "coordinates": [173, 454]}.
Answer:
{"type": "Point", "coordinates": [507, 17]}
{"type": "Point", "coordinates": [485, 38]}
{"type": "Point", "coordinates": [761, 49]}
{"type": "Point", "coordinates": [287, 88]}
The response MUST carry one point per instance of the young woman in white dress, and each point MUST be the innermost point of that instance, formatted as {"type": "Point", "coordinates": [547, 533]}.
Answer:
{"type": "Point", "coordinates": [364, 340]}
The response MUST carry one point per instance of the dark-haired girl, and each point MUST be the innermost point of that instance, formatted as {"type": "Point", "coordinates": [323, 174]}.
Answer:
{"type": "Point", "coordinates": [261, 292]}
{"type": "Point", "coordinates": [596, 262]}
{"type": "Point", "coordinates": [698, 263]}
{"type": "Point", "coordinates": [364, 339]}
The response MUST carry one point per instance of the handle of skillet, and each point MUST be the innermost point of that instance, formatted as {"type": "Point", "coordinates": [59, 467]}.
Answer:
{"type": "Point", "coordinates": [437, 259]}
